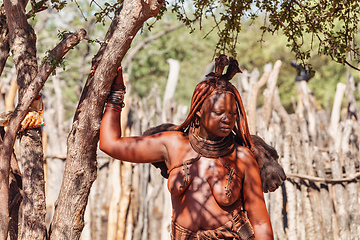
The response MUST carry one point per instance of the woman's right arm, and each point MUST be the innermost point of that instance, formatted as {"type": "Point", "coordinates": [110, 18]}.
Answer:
{"type": "Point", "coordinates": [131, 149]}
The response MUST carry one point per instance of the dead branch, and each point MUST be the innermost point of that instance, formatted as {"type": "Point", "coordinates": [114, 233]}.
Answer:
{"type": "Point", "coordinates": [323, 180]}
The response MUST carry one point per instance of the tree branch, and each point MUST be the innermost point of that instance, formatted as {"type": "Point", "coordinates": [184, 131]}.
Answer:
{"type": "Point", "coordinates": [323, 180]}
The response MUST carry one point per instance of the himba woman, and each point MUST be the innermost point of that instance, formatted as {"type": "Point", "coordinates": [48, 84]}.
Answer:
{"type": "Point", "coordinates": [213, 176]}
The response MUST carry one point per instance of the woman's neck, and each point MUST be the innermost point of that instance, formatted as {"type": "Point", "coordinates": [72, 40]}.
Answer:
{"type": "Point", "coordinates": [203, 134]}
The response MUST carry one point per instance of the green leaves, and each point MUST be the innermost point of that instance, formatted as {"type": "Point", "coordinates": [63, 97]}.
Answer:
{"type": "Point", "coordinates": [332, 25]}
{"type": "Point", "coordinates": [227, 16]}
{"type": "Point", "coordinates": [58, 4]}
{"type": "Point", "coordinates": [62, 34]}
{"type": "Point", "coordinates": [106, 10]}
{"type": "Point", "coordinates": [54, 62]}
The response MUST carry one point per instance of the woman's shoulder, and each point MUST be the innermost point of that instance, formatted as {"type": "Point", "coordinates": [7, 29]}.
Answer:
{"type": "Point", "coordinates": [174, 134]}
{"type": "Point", "coordinates": [245, 154]}
{"type": "Point", "coordinates": [172, 137]}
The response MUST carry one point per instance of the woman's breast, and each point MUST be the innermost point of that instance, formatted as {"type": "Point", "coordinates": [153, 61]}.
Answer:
{"type": "Point", "coordinates": [204, 179]}
{"type": "Point", "coordinates": [178, 182]}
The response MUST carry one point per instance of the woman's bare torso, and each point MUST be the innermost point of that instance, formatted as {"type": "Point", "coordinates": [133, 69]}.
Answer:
{"type": "Point", "coordinates": [205, 190]}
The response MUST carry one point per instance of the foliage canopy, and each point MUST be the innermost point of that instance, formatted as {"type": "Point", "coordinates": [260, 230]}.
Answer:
{"type": "Point", "coordinates": [331, 25]}
{"type": "Point", "coordinates": [307, 28]}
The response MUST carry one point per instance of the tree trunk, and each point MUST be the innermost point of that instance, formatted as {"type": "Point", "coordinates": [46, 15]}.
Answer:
{"type": "Point", "coordinates": [33, 204]}
{"type": "Point", "coordinates": [14, 194]}
{"type": "Point", "coordinates": [4, 45]}
{"type": "Point", "coordinates": [80, 166]}
{"type": "Point", "coordinates": [23, 48]}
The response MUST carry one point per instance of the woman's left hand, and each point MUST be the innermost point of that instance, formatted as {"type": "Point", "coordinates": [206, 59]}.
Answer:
{"type": "Point", "coordinates": [118, 80]}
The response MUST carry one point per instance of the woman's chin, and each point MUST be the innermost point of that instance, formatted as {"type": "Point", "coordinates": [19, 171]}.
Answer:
{"type": "Point", "coordinates": [224, 132]}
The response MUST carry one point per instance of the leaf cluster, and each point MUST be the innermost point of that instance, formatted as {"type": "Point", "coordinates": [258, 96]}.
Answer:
{"type": "Point", "coordinates": [58, 4]}
{"type": "Point", "coordinates": [332, 25]}
{"type": "Point", "coordinates": [54, 62]}
{"type": "Point", "coordinates": [106, 10]}
{"type": "Point", "coordinates": [226, 14]}
{"type": "Point", "coordinates": [254, 51]}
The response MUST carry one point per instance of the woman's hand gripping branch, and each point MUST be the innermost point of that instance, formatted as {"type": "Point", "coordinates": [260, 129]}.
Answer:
{"type": "Point", "coordinates": [110, 129]}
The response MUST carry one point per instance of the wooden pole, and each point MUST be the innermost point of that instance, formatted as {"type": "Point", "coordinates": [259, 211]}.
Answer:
{"type": "Point", "coordinates": [335, 113]}
{"type": "Point", "coordinates": [269, 93]}
{"type": "Point", "coordinates": [253, 98]}
{"type": "Point", "coordinates": [339, 189]}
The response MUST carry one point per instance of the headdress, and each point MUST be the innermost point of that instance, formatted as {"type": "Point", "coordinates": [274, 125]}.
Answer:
{"type": "Point", "coordinates": [217, 81]}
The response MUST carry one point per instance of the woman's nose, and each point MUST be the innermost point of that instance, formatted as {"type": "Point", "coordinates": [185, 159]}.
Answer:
{"type": "Point", "coordinates": [225, 117]}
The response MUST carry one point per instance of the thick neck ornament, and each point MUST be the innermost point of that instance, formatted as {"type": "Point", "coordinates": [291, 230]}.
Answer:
{"type": "Point", "coordinates": [209, 148]}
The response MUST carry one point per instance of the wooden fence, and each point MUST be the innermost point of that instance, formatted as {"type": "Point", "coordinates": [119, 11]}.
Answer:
{"type": "Point", "coordinates": [319, 152]}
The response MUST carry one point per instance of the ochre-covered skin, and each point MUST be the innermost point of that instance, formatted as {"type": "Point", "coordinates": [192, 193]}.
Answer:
{"type": "Point", "coordinates": [207, 192]}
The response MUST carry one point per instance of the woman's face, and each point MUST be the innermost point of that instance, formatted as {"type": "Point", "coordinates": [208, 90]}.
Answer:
{"type": "Point", "coordinates": [217, 116]}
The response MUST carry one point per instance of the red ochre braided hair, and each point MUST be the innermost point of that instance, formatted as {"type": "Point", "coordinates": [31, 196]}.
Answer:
{"type": "Point", "coordinates": [216, 81]}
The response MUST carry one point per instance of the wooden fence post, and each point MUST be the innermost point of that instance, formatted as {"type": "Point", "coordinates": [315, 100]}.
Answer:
{"type": "Point", "coordinates": [253, 98]}
{"type": "Point", "coordinates": [269, 93]}
{"type": "Point", "coordinates": [335, 113]}
{"type": "Point", "coordinates": [326, 200]}
{"type": "Point", "coordinates": [339, 189]}
{"type": "Point", "coordinates": [351, 187]}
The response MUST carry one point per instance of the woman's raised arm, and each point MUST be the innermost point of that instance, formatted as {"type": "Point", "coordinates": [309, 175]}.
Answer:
{"type": "Point", "coordinates": [254, 202]}
{"type": "Point", "coordinates": [132, 149]}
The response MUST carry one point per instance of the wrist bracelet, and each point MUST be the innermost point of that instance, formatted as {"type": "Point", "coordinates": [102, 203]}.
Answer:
{"type": "Point", "coordinates": [115, 99]}
{"type": "Point", "coordinates": [115, 109]}
{"type": "Point", "coordinates": [115, 106]}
